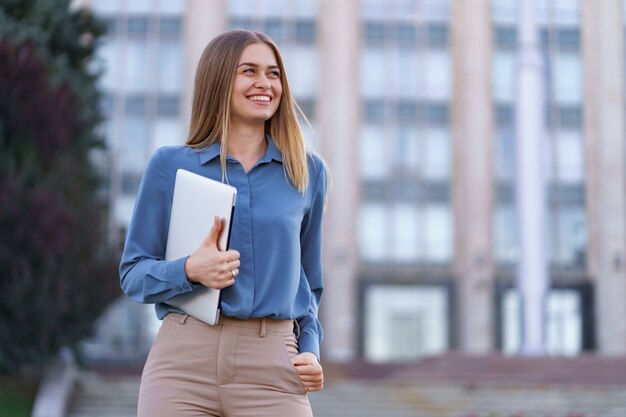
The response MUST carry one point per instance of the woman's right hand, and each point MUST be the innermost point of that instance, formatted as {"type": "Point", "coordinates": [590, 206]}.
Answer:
{"type": "Point", "coordinates": [211, 267]}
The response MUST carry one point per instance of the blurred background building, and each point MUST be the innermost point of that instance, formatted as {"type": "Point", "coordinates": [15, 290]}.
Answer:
{"type": "Point", "coordinates": [412, 104]}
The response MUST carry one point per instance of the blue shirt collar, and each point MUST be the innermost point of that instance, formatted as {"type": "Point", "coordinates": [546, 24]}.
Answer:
{"type": "Point", "coordinates": [271, 153]}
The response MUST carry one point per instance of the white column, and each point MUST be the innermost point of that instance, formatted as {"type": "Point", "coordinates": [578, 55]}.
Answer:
{"type": "Point", "coordinates": [530, 185]}
{"type": "Point", "coordinates": [337, 111]}
{"type": "Point", "coordinates": [473, 184]}
{"type": "Point", "coordinates": [603, 64]}
{"type": "Point", "coordinates": [203, 21]}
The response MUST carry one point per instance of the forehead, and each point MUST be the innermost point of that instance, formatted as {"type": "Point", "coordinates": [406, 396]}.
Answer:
{"type": "Point", "coordinates": [258, 53]}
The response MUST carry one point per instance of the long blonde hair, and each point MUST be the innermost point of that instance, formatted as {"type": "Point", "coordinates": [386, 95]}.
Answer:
{"type": "Point", "coordinates": [210, 112]}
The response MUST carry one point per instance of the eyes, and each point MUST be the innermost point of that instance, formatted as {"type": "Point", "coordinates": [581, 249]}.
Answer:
{"type": "Point", "coordinates": [272, 74]}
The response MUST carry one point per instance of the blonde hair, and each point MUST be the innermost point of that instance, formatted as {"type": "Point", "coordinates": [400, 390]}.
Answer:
{"type": "Point", "coordinates": [210, 112]}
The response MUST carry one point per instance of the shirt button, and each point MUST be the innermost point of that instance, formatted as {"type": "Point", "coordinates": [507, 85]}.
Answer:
{"type": "Point", "coordinates": [178, 289]}
{"type": "Point", "coordinates": [186, 286]}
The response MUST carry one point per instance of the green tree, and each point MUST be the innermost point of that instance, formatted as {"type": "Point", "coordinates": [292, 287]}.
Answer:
{"type": "Point", "coordinates": [56, 272]}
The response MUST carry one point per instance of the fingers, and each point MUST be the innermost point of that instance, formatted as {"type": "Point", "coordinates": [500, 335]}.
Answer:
{"type": "Point", "coordinates": [312, 376]}
{"type": "Point", "coordinates": [211, 239]}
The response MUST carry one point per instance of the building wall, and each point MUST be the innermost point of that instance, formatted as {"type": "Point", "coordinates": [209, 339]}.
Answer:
{"type": "Point", "coordinates": [412, 105]}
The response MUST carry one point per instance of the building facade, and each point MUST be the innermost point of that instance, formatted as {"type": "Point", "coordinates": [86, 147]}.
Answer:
{"type": "Point", "coordinates": [412, 104]}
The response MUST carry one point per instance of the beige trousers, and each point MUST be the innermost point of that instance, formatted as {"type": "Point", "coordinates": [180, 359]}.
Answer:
{"type": "Point", "coordinates": [237, 368]}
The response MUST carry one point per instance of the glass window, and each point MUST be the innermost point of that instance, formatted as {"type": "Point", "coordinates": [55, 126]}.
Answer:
{"type": "Point", "coordinates": [133, 151]}
{"type": "Point", "coordinates": [167, 132]}
{"type": "Point", "coordinates": [504, 11]}
{"type": "Point", "coordinates": [503, 81]}
{"type": "Point", "coordinates": [566, 78]}
{"type": "Point", "coordinates": [505, 238]}
{"type": "Point", "coordinates": [569, 158]}
{"type": "Point", "coordinates": [373, 70]}
{"type": "Point", "coordinates": [407, 149]}
{"type": "Point", "coordinates": [437, 154]}
{"type": "Point", "coordinates": [568, 237]}
{"type": "Point", "coordinates": [139, 6]}
{"type": "Point", "coordinates": [106, 56]}
{"type": "Point", "coordinates": [172, 6]}
{"type": "Point", "coordinates": [136, 66]}
{"type": "Point", "coordinates": [169, 70]}
{"type": "Point", "coordinates": [439, 233]}
{"type": "Point", "coordinates": [505, 154]}
{"type": "Point", "coordinates": [563, 12]}
{"type": "Point", "coordinates": [137, 24]}
{"type": "Point", "coordinates": [563, 322]}
{"type": "Point", "coordinates": [302, 70]}
{"type": "Point", "coordinates": [106, 6]}
{"type": "Point", "coordinates": [170, 25]}
{"type": "Point", "coordinates": [405, 231]}
{"type": "Point", "coordinates": [405, 322]}
{"type": "Point", "coordinates": [374, 149]}
{"type": "Point", "coordinates": [437, 78]}
{"type": "Point", "coordinates": [406, 69]}
{"type": "Point", "coordinates": [373, 223]}
{"type": "Point", "coordinates": [306, 8]}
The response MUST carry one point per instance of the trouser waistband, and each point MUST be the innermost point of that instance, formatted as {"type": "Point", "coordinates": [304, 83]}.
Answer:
{"type": "Point", "coordinates": [263, 324]}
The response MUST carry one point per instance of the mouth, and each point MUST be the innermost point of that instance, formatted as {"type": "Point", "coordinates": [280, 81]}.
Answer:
{"type": "Point", "coordinates": [261, 99]}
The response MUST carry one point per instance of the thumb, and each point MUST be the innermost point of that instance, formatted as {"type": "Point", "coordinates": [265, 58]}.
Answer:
{"type": "Point", "coordinates": [211, 239]}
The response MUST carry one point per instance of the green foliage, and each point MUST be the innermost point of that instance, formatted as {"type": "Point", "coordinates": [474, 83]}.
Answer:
{"type": "Point", "coordinates": [56, 273]}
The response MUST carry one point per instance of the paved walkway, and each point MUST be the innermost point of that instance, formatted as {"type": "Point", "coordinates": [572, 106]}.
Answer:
{"type": "Point", "coordinates": [449, 386]}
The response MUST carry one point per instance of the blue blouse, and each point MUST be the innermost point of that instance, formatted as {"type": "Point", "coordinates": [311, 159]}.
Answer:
{"type": "Point", "coordinates": [276, 229]}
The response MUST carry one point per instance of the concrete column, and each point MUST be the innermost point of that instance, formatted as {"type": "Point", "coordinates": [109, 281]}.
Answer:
{"type": "Point", "coordinates": [337, 111]}
{"type": "Point", "coordinates": [203, 21]}
{"type": "Point", "coordinates": [473, 183]}
{"type": "Point", "coordinates": [603, 66]}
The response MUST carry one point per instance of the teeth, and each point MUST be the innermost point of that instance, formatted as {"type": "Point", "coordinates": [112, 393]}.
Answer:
{"type": "Point", "coordinates": [259, 98]}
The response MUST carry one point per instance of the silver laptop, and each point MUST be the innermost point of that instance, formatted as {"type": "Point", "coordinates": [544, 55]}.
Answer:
{"type": "Point", "coordinates": [197, 200]}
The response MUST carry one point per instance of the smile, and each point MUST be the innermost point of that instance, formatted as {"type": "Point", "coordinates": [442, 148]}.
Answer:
{"type": "Point", "coordinates": [265, 99]}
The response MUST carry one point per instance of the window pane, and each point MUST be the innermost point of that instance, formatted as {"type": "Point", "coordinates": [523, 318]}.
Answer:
{"type": "Point", "coordinates": [374, 160]}
{"type": "Point", "coordinates": [437, 154]}
{"type": "Point", "coordinates": [439, 233]}
{"type": "Point", "coordinates": [106, 56]}
{"type": "Point", "coordinates": [407, 150]}
{"type": "Point", "coordinates": [405, 232]}
{"type": "Point", "coordinates": [437, 77]}
{"type": "Point", "coordinates": [373, 66]}
{"type": "Point", "coordinates": [405, 322]}
{"type": "Point", "coordinates": [505, 234]}
{"type": "Point", "coordinates": [134, 144]}
{"type": "Point", "coordinates": [136, 67]}
{"type": "Point", "coordinates": [170, 61]}
{"type": "Point", "coordinates": [406, 80]}
{"type": "Point", "coordinates": [373, 223]}
{"type": "Point", "coordinates": [301, 68]}
{"type": "Point", "coordinates": [503, 76]}
{"type": "Point", "coordinates": [167, 132]}
{"type": "Point", "coordinates": [564, 324]}
{"type": "Point", "coordinates": [569, 246]}
{"type": "Point", "coordinates": [566, 78]}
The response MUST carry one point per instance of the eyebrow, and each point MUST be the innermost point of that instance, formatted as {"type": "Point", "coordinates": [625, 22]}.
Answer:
{"type": "Point", "coordinates": [251, 64]}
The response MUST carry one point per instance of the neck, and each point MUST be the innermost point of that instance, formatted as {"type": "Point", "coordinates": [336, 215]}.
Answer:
{"type": "Point", "coordinates": [246, 142]}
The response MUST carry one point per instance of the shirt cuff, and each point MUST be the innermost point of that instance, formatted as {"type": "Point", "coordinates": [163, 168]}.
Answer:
{"type": "Point", "coordinates": [309, 343]}
{"type": "Point", "coordinates": [180, 283]}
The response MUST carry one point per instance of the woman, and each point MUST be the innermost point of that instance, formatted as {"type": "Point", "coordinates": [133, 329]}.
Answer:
{"type": "Point", "coordinates": [263, 356]}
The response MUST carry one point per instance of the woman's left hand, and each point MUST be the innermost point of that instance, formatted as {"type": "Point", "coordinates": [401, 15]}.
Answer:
{"type": "Point", "coordinates": [309, 370]}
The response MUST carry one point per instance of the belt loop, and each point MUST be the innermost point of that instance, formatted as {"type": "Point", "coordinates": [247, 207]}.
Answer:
{"type": "Point", "coordinates": [263, 327]}
{"type": "Point", "coordinates": [296, 328]}
{"type": "Point", "coordinates": [183, 319]}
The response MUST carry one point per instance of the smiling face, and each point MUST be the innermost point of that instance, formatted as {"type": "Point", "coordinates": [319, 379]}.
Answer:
{"type": "Point", "coordinates": [257, 87]}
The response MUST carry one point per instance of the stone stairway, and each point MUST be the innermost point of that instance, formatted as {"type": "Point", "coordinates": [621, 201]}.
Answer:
{"type": "Point", "coordinates": [99, 394]}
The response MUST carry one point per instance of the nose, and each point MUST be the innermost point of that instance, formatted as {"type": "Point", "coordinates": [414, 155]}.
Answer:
{"type": "Point", "coordinates": [262, 82]}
